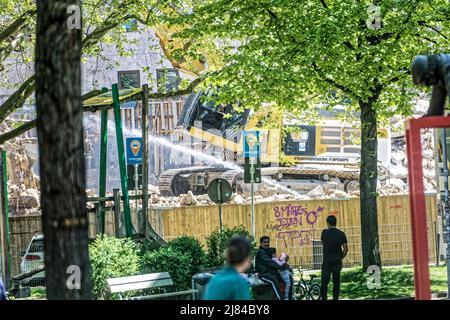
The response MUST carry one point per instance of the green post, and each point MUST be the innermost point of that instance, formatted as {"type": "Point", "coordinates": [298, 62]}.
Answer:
{"type": "Point", "coordinates": [144, 123]}
{"type": "Point", "coordinates": [103, 161]}
{"type": "Point", "coordinates": [6, 213]}
{"type": "Point", "coordinates": [122, 164]}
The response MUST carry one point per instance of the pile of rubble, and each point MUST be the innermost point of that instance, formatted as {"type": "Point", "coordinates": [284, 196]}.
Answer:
{"type": "Point", "coordinates": [394, 178]}
{"type": "Point", "coordinates": [23, 183]}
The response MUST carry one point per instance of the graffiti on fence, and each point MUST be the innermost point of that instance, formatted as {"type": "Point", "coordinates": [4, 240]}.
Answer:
{"type": "Point", "coordinates": [289, 219]}
{"type": "Point", "coordinates": [290, 215]}
{"type": "Point", "coordinates": [300, 237]}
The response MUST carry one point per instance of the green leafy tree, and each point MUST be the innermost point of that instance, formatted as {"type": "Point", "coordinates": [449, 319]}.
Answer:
{"type": "Point", "coordinates": [103, 23]}
{"type": "Point", "coordinates": [297, 53]}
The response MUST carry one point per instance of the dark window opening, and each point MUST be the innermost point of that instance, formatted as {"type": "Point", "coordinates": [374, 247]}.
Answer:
{"type": "Point", "coordinates": [129, 79]}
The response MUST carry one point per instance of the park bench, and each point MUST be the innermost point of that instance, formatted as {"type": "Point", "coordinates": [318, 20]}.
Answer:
{"type": "Point", "coordinates": [146, 282]}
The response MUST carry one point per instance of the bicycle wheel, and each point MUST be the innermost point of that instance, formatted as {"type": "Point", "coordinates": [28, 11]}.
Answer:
{"type": "Point", "coordinates": [314, 291]}
{"type": "Point", "coordinates": [299, 291]}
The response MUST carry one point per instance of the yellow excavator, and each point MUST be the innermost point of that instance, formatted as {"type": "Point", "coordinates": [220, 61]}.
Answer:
{"type": "Point", "coordinates": [316, 154]}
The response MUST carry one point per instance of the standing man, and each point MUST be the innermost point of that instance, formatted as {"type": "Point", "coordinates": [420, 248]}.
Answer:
{"type": "Point", "coordinates": [266, 267]}
{"type": "Point", "coordinates": [335, 249]}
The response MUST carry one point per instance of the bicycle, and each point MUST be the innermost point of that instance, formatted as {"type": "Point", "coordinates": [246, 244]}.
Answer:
{"type": "Point", "coordinates": [307, 289]}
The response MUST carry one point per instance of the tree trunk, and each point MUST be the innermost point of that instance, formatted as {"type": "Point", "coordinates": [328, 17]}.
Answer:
{"type": "Point", "coordinates": [368, 186]}
{"type": "Point", "coordinates": [62, 169]}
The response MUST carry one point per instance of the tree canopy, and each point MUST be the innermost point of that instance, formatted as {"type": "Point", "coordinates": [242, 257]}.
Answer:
{"type": "Point", "coordinates": [103, 23]}
{"type": "Point", "coordinates": [297, 53]}
{"type": "Point", "coordinates": [290, 51]}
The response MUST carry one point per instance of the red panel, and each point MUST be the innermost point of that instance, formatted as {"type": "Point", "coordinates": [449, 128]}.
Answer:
{"type": "Point", "coordinates": [417, 200]}
{"type": "Point", "coordinates": [418, 215]}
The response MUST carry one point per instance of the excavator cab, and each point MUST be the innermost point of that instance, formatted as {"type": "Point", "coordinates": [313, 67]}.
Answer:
{"type": "Point", "coordinates": [205, 116]}
{"type": "Point", "coordinates": [301, 142]}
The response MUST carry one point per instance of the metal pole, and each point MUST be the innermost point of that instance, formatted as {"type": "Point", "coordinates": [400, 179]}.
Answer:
{"type": "Point", "coordinates": [103, 163]}
{"type": "Point", "coordinates": [219, 198]}
{"type": "Point", "coordinates": [252, 204]}
{"type": "Point", "coordinates": [5, 214]}
{"type": "Point", "coordinates": [117, 213]}
{"type": "Point", "coordinates": [144, 123]}
{"type": "Point", "coordinates": [436, 241]}
{"type": "Point", "coordinates": [122, 164]}
{"type": "Point", "coordinates": [136, 182]}
{"type": "Point", "coordinates": [446, 203]}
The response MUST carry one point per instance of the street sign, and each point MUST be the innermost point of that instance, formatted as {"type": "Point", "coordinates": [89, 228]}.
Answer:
{"type": "Point", "coordinates": [220, 191]}
{"type": "Point", "coordinates": [134, 150]}
{"type": "Point", "coordinates": [251, 144]}
{"type": "Point", "coordinates": [252, 157]}
{"type": "Point", "coordinates": [132, 178]}
{"type": "Point", "coordinates": [252, 167]}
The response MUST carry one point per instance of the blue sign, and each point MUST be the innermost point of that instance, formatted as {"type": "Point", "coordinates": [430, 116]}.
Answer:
{"type": "Point", "coordinates": [251, 144]}
{"type": "Point", "coordinates": [134, 150]}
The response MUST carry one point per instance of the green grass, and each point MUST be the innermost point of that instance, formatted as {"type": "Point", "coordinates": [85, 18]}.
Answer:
{"type": "Point", "coordinates": [395, 282]}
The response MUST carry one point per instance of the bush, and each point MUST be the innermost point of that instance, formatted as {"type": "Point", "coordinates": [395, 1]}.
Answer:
{"type": "Point", "coordinates": [111, 258]}
{"type": "Point", "coordinates": [147, 245]}
{"type": "Point", "coordinates": [217, 243]}
{"type": "Point", "coordinates": [191, 247]}
{"type": "Point", "coordinates": [166, 259]}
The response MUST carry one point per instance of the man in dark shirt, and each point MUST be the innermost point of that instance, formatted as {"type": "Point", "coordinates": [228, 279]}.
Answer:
{"type": "Point", "coordinates": [335, 249]}
{"type": "Point", "coordinates": [266, 267]}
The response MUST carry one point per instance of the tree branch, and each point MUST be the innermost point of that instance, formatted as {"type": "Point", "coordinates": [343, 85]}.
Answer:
{"type": "Point", "coordinates": [16, 25]}
{"type": "Point", "coordinates": [32, 124]}
{"type": "Point", "coordinates": [17, 131]}
{"type": "Point", "coordinates": [99, 33]}
{"type": "Point", "coordinates": [422, 23]}
{"type": "Point", "coordinates": [349, 45]}
{"type": "Point", "coordinates": [324, 4]}
{"type": "Point", "coordinates": [331, 81]}
{"type": "Point", "coordinates": [177, 93]}
{"type": "Point", "coordinates": [12, 46]}
{"type": "Point", "coordinates": [18, 98]}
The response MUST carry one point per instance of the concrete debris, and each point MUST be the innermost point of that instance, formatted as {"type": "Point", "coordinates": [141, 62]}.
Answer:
{"type": "Point", "coordinates": [236, 199]}
{"type": "Point", "coordinates": [23, 199]}
{"type": "Point", "coordinates": [316, 192]}
{"type": "Point", "coordinates": [188, 199]}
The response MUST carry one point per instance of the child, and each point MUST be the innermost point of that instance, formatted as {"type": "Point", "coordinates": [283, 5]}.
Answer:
{"type": "Point", "coordinates": [285, 274]}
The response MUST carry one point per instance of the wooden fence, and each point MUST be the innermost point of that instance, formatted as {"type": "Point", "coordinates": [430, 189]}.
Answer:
{"type": "Point", "coordinates": [294, 227]}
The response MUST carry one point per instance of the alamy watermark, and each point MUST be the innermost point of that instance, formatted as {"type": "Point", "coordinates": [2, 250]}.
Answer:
{"type": "Point", "coordinates": [74, 280]}
{"type": "Point", "coordinates": [373, 277]}
{"type": "Point", "coordinates": [74, 19]}
{"type": "Point", "coordinates": [374, 20]}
